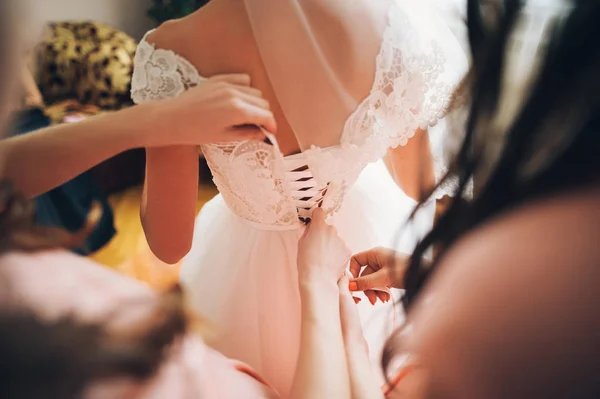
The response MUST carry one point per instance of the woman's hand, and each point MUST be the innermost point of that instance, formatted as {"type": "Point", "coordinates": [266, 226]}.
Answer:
{"type": "Point", "coordinates": [221, 109]}
{"type": "Point", "coordinates": [321, 370]}
{"type": "Point", "coordinates": [322, 255]}
{"type": "Point", "coordinates": [376, 268]}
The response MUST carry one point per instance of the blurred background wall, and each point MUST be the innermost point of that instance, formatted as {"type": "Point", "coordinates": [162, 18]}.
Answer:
{"type": "Point", "coordinates": [126, 15]}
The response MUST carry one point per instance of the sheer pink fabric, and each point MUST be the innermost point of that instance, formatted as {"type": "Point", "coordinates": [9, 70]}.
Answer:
{"type": "Point", "coordinates": [57, 284]}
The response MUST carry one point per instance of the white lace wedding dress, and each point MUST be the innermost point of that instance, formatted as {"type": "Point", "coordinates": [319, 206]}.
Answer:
{"type": "Point", "coordinates": [241, 271]}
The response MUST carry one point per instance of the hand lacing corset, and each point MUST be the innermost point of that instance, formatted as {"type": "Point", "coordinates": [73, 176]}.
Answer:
{"type": "Point", "coordinates": [412, 90]}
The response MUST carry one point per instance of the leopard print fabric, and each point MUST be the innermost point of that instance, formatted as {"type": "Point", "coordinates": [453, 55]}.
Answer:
{"type": "Point", "coordinates": [86, 61]}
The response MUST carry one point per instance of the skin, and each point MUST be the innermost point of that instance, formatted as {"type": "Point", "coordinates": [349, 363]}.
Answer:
{"type": "Point", "coordinates": [322, 259]}
{"type": "Point", "coordinates": [59, 153]}
{"type": "Point", "coordinates": [332, 341]}
{"type": "Point", "coordinates": [223, 43]}
{"type": "Point", "coordinates": [521, 271]}
{"type": "Point", "coordinates": [412, 166]}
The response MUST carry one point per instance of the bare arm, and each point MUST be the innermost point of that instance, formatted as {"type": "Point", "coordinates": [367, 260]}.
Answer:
{"type": "Point", "coordinates": [171, 186]}
{"type": "Point", "coordinates": [411, 165]}
{"type": "Point", "coordinates": [168, 207]}
{"type": "Point", "coordinates": [363, 383]}
{"type": "Point", "coordinates": [333, 361]}
{"type": "Point", "coordinates": [322, 369]}
{"type": "Point", "coordinates": [39, 161]}
{"type": "Point", "coordinates": [169, 201]}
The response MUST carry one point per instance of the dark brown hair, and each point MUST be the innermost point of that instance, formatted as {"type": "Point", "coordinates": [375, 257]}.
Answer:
{"type": "Point", "coordinates": [551, 146]}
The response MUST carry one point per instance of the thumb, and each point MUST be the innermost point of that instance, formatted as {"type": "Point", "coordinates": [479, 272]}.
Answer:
{"type": "Point", "coordinates": [378, 279]}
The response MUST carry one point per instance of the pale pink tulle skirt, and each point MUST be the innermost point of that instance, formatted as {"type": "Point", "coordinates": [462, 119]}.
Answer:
{"type": "Point", "coordinates": [244, 281]}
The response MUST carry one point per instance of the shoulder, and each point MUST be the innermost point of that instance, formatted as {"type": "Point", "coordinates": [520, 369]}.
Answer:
{"type": "Point", "coordinates": [166, 35]}
{"type": "Point", "coordinates": [542, 244]}
{"type": "Point", "coordinates": [195, 34]}
{"type": "Point", "coordinates": [58, 282]}
{"type": "Point", "coordinates": [529, 269]}
{"type": "Point", "coordinates": [216, 39]}
{"type": "Point", "coordinates": [544, 229]}
{"type": "Point", "coordinates": [162, 68]}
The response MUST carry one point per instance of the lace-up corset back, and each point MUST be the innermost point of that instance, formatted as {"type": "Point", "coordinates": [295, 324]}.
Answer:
{"type": "Point", "coordinates": [261, 186]}
{"type": "Point", "coordinates": [306, 193]}
{"type": "Point", "coordinates": [412, 90]}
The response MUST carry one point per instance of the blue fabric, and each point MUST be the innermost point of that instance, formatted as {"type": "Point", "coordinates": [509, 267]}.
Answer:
{"type": "Point", "coordinates": [68, 206]}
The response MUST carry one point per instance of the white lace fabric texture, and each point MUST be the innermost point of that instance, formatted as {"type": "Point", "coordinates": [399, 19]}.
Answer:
{"type": "Point", "coordinates": [412, 90]}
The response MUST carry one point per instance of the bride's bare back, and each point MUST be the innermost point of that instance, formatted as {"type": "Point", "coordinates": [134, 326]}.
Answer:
{"type": "Point", "coordinates": [218, 39]}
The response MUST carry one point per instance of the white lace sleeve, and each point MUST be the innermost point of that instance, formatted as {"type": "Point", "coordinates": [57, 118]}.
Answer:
{"type": "Point", "coordinates": [159, 74]}
{"type": "Point", "coordinates": [420, 66]}
{"type": "Point", "coordinates": [418, 69]}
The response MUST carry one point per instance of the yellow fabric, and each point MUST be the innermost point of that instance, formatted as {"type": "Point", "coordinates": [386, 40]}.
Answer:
{"type": "Point", "coordinates": [128, 252]}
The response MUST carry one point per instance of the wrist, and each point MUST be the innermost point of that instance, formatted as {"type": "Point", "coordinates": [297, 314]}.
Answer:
{"type": "Point", "coordinates": [154, 124]}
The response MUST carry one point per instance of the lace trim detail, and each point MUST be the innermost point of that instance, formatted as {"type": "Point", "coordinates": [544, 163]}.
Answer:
{"type": "Point", "coordinates": [251, 185]}
{"type": "Point", "coordinates": [412, 90]}
{"type": "Point", "coordinates": [160, 74]}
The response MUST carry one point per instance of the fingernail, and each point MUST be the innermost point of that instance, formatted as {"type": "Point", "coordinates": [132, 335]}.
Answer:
{"type": "Point", "coordinates": [353, 286]}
